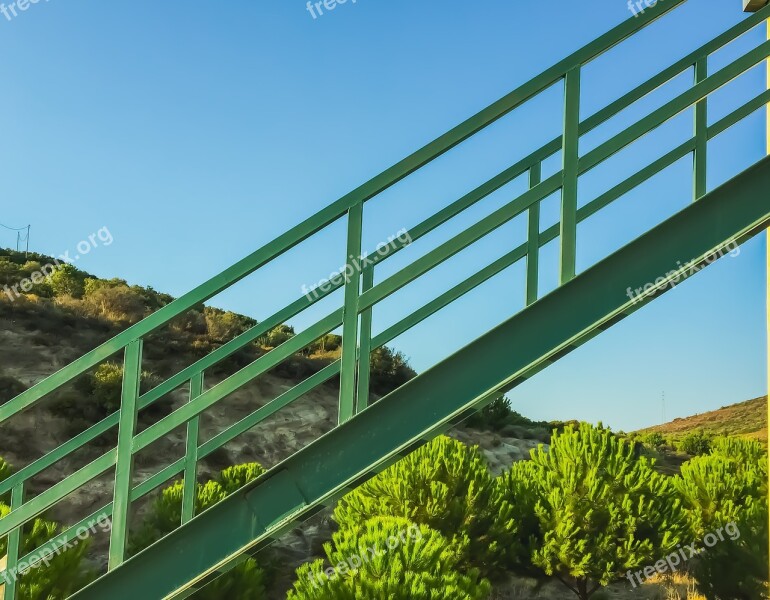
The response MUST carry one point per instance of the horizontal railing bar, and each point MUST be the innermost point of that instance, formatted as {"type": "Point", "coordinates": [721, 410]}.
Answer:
{"type": "Point", "coordinates": [37, 505]}
{"type": "Point", "coordinates": [738, 114]}
{"type": "Point", "coordinates": [460, 241]}
{"type": "Point", "coordinates": [673, 71]}
{"type": "Point", "coordinates": [337, 209]}
{"type": "Point", "coordinates": [450, 296]}
{"type": "Point", "coordinates": [236, 381]}
{"type": "Point", "coordinates": [269, 409]}
{"type": "Point", "coordinates": [57, 454]}
{"type": "Point", "coordinates": [674, 107]}
{"type": "Point", "coordinates": [636, 179]}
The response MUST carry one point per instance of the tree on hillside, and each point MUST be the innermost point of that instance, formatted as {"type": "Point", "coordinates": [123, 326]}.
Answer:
{"type": "Point", "coordinates": [725, 494]}
{"type": "Point", "coordinates": [387, 557]}
{"type": "Point", "coordinates": [447, 486]}
{"type": "Point", "coordinates": [601, 510]}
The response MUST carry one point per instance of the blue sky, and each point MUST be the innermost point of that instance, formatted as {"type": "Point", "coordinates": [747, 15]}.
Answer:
{"type": "Point", "coordinates": [196, 132]}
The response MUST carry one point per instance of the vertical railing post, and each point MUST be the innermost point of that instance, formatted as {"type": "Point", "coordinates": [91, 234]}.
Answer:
{"type": "Point", "coordinates": [350, 316]}
{"type": "Point", "coordinates": [124, 466]}
{"type": "Point", "coordinates": [11, 581]}
{"type": "Point", "coordinates": [569, 190]}
{"type": "Point", "coordinates": [533, 238]}
{"type": "Point", "coordinates": [365, 347]}
{"type": "Point", "coordinates": [189, 492]}
{"type": "Point", "coordinates": [701, 134]}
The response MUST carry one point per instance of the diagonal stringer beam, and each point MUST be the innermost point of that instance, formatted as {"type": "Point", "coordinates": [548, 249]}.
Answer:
{"type": "Point", "coordinates": [500, 359]}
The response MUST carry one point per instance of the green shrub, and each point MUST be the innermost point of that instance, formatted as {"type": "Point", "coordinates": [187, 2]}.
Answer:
{"type": "Point", "coordinates": [234, 478]}
{"type": "Point", "coordinates": [65, 572]}
{"type": "Point", "coordinates": [654, 440]}
{"type": "Point", "coordinates": [447, 486]}
{"type": "Point", "coordinates": [695, 443]}
{"type": "Point", "coordinates": [119, 303]}
{"type": "Point", "coordinates": [276, 337]}
{"type": "Point", "coordinates": [10, 387]}
{"type": "Point", "coordinates": [517, 487]}
{"type": "Point", "coordinates": [223, 326]}
{"type": "Point", "coordinates": [99, 395]}
{"type": "Point", "coordinates": [244, 582]}
{"type": "Point", "coordinates": [389, 370]}
{"type": "Point", "coordinates": [728, 489]}
{"type": "Point", "coordinates": [601, 509]}
{"type": "Point", "coordinates": [66, 280]}
{"type": "Point", "coordinates": [391, 558]}
{"type": "Point", "coordinates": [166, 512]}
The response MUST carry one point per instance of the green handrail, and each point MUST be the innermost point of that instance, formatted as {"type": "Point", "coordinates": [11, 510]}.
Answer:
{"type": "Point", "coordinates": [361, 295]}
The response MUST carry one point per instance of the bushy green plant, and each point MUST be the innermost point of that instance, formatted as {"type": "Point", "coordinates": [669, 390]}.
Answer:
{"type": "Point", "coordinates": [447, 486]}
{"type": "Point", "coordinates": [99, 394]}
{"type": "Point", "coordinates": [224, 325]}
{"type": "Point", "coordinates": [234, 478]}
{"type": "Point", "coordinates": [166, 512]}
{"type": "Point", "coordinates": [66, 280]}
{"type": "Point", "coordinates": [64, 573]}
{"type": "Point", "coordinates": [654, 440]}
{"type": "Point", "coordinates": [727, 489]}
{"type": "Point", "coordinates": [244, 582]}
{"type": "Point", "coordinates": [391, 558]}
{"type": "Point", "coordinates": [117, 303]}
{"type": "Point", "coordinates": [601, 509]}
{"type": "Point", "coordinates": [276, 337]}
{"type": "Point", "coordinates": [389, 370]}
{"type": "Point", "coordinates": [695, 443]}
{"type": "Point", "coordinates": [517, 487]}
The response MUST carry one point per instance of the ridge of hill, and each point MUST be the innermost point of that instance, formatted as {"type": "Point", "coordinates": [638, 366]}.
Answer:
{"type": "Point", "coordinates": [747, 419]}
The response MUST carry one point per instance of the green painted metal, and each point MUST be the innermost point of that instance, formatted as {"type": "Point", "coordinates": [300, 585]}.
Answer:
{"type": "Point", "coordinates": [124, 465]}
{"type": "Point", "coordinates": [365, 347]}
{"type": "Point", "coordinates": [11, 589]}
{"type": "Point", "coordinates": [700, 126]}
{"type": "Point", "coordinates": [361, 295]}
{"type": "Point", "coordinates": [557, 323]}
{"type": "Point", "coordinates": [191, 455]}
{"type": "Point", "coordinates": [569, 187]}
{"type": "Point", "coordinates": [533, 239]}
{"type": "Point", "coordinates": [350, 317]}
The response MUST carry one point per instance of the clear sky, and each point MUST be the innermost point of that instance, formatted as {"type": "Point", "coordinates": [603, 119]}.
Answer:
{"type": "Point", "coordinates": [196, 132]}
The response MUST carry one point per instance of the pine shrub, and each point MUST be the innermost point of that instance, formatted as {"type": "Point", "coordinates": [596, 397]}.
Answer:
{"type": "Point", "coordinates": [602, 510]}
{"type": "Point", "coordinates": [447, 486]}
{"type": "Point", "coordinates": [726, 492]}
{"type": "Point", "coordinates": [65, 572]}
{"type": "Point", "coordinates": [391, 558]}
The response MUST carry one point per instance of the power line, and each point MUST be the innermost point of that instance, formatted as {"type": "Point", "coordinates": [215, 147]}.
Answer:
{"type": "Point", "coordinates": [14, 228]}
{"type": "Point", "coordinates": [19, 238]}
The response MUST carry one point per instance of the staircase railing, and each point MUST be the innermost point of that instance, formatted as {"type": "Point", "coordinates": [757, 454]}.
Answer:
{"type": "Point", "coordinates": [360, 293]}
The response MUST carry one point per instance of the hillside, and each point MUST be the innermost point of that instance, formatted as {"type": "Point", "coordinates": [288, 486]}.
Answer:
{"type": "Point", "coordinates": [745, 419]}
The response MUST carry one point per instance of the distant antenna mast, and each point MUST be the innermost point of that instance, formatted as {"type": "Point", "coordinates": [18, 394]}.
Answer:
{"type": "Point", "coordinates": [663, 402]}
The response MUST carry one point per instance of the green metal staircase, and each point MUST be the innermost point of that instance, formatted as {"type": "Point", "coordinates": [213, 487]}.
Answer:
{"type": "Point", "coordinates": [369, 438]}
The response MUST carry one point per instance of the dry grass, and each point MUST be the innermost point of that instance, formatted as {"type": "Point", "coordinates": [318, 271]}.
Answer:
{"type": "Point", "coordinates": [746, 418]}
